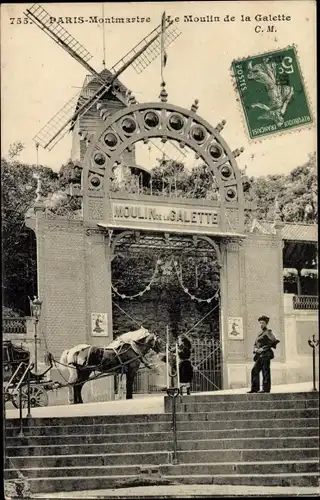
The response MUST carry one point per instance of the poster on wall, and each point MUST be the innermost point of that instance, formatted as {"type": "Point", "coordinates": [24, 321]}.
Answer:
{"type": "Point", "coordinates": [235, 328]}
{"type": "Point", "coordinates": [99, 324]}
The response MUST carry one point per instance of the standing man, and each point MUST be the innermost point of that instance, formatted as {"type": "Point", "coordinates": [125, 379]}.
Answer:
{"type": "Point", "coordinates": [262, 355]}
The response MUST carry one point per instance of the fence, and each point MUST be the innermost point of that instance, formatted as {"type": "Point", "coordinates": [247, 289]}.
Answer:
{"type": "Point", "coordinates": [207, 365]}
{"type": "Point", "coordinates": [305, 302]}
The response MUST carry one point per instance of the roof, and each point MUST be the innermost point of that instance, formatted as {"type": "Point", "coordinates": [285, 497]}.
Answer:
{"type": "Point", "coordinates": [290, 231]}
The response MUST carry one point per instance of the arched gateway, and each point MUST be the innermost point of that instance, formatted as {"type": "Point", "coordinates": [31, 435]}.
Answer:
{"type": "Point", "coordinates": [77, 258]}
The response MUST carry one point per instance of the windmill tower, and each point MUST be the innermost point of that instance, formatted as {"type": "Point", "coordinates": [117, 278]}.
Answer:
{"type": "Point", "coordinates": [100, 91]}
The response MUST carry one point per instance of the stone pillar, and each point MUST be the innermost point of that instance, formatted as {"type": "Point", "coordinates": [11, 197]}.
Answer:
{"type": "Point", "coordinates": [278, 226]}
{"type": "Point", "coordinates": [36, 223]}
{"type": "Point", "coordinates": [234, 356]}
{"type": "Point", "coordinates": [99, 300]}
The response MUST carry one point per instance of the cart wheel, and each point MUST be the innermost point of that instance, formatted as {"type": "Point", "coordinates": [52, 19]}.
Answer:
{"type": "Point", "coordinates": [38, 397]}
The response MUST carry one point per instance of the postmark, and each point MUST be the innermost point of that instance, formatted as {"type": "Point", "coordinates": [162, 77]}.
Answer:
{"type": "Point", "coordinates": [272, 92]}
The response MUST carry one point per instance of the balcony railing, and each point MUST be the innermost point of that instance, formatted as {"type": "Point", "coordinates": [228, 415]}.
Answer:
{"type": "Point", "coordinates": [305, 302]}
{"type": "Point", "coordinates": [14, 325]}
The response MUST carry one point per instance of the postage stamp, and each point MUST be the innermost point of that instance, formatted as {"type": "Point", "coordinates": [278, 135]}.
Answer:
{"type": "Point", "coordinates": [272, 92]}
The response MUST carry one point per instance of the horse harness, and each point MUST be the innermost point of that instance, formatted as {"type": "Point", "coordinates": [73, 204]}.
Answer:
{"type": "Point", "coordinates": [132, 345]}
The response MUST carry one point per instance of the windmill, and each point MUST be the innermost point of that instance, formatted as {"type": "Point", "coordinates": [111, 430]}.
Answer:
{"type": "Point", "coordinates": [99, 87]}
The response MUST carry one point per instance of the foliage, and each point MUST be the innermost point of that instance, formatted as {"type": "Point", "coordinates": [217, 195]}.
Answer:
{"type": "Point", "coordinates": [296, 193]}
{"type": "Point", "coordinates": [132, 273]}
{"type": "Point", "coordinates": [171, 178]}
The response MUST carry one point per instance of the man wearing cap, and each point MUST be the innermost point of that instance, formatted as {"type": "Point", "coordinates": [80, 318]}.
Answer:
{"type": "Point", "coordinates": [262, 355]}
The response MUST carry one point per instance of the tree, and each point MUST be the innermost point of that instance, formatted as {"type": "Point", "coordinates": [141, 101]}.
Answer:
{"type": "Point", "coordinates": [296, 193]}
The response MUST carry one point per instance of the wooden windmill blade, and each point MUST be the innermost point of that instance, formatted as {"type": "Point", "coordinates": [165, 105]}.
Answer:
{"type": "Point", "coordinates": [152, 49]}
{"type": "Point", "coordinates": [61, 36]}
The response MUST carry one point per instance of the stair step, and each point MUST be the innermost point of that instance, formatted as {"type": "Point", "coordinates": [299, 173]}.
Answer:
{"type": "Point", "coordinates": [216, 397]}
{"type": "Point", "coordinates": [56, 484]}
{"type": "Point", "coordinates": [247, 455]}
{"type": "Point", "coordinates": [247, 405]}
{"type": "Point", "coordinates": [107, 438]}
{"type": "Point", "coordinates": [194, 425]}
{"type": "Point", "coordinates": [250, 414]}
{"type": "Point", "coordinates": [248, 443]}
{"type": "Point", "coordinates": [138, 447]}
{"type": "Point", "coordinates": [286, 479]}
{"type": "Point", "coordinates": [92, 420]}
{"type": "Point", "coordinates": [263, 467]}
{"type": "Point", "coordinates": [310, 466]}
{"type": "Point", "coordinates": [102, 482]}
{"type": "Point", "coordinates": [163, 457]}
{"type": "Point", "coordinates": [45, 450]}
{"type": "Point", "coordinates": [80, 459]}
{"type": "Point", "coordinates": [60, 429]}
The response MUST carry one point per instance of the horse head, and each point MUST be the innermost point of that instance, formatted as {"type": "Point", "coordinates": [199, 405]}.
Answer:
{"type": "Point", "coordinates": [153, 342]}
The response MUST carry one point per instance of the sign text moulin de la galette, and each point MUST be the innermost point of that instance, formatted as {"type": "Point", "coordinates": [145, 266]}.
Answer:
{"type": "Point", "coordinates": [165, 215]}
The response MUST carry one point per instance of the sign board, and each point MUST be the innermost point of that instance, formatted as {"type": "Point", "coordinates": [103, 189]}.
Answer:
{"type": "Point", "coordinates": [161, 216]}
{"type": "Point", "coordinates": [99, 324]}
{"type": "Point", "coordinates": [235, 328]}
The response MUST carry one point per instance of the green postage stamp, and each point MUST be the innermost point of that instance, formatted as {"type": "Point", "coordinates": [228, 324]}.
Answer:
{"type": "Point", "coordinates": [272, 92]}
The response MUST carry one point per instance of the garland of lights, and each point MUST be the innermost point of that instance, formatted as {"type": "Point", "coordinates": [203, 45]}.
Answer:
{"type": "Point", "coordinates": [139, 294]}
{"type": "Point", "coordinates": [193, 297]}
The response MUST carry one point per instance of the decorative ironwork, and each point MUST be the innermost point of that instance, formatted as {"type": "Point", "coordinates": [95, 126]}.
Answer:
{"type": "Point", "coordinates": [207, 364]}
{"type": "Point", "coordinates": [305, 302]}
{"type": "Point", "coordinates": [14, 325]}
{"type": "Point", "coordinates": [172, 242]}
{"type": "Point", "coordinates": [166, 122]}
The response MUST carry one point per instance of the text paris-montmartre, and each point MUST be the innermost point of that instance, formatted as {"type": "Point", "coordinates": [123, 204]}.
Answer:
{"type": "Point", "coordinates": [187, 18]}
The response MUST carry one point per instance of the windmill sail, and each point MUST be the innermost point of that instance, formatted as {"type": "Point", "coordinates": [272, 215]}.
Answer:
{"type": "Point", "coordinates": [61, 36]}
{"type": "Point", "coordinates": [151, 52]}
{"type": "Point", "coordinates": [139, 57]}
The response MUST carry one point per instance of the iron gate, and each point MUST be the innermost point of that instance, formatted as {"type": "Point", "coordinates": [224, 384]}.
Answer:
{"type": "Point", "coordinates": [207, 365]}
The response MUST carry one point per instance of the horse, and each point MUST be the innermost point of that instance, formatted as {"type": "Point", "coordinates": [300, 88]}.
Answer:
{"type": "Point", "coordinates": [123, 355]}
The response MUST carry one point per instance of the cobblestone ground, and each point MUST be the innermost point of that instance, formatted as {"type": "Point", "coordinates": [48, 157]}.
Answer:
{"type": "Point", "coordinates": [185, 491]}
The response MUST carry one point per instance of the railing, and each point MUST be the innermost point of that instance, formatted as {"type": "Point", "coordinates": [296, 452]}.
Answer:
{"type": "Point", "coordinates": [305, 302]}
{"type": "Point", "coordinates": [14, 325]}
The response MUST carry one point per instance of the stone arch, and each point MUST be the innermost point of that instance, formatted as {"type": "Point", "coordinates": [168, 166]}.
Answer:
{"type": "Point", "coordinates": [119, 133]}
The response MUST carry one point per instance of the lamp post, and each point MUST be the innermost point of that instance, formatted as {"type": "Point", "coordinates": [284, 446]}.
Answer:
{"type": "Point", "coordinates": [313, 343]}
{"type": "Point", "coordinates": [35, 308]}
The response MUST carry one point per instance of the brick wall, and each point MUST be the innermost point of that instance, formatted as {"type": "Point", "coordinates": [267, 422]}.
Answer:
{"type": "Point", "coordinates": [63, 284]}
{"type": "Point", "coordinates": [264, 288]}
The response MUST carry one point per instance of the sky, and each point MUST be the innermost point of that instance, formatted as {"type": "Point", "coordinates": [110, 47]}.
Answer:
{"type": "Point", "coordinates": [38, 76]}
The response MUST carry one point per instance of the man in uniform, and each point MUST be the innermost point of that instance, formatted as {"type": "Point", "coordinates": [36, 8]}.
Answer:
{"type": "Point", "coordinates": [262, 355]}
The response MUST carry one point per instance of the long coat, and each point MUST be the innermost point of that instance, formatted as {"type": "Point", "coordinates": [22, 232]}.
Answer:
{"type": "Point", "coordinates": [264, 343]}
{"type": "Point", "coordinates": [185, 366]}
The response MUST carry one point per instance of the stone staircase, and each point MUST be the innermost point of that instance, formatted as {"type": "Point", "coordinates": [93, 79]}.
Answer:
{"type": "Point", "coordinates": [247, 439]}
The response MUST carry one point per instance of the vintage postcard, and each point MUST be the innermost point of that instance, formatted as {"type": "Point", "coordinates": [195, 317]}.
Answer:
{"type": "Point", "coordinates": [160, 248]}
